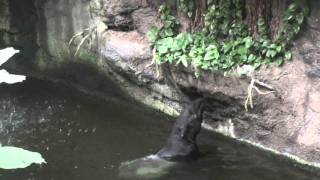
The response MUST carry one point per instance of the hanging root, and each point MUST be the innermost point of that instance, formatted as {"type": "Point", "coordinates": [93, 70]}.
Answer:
{"type": "Point", "coordinates": [86, 33]}
{"type": "Point", "coordinates": [153, 62]}
{"type": "Point", "coordinates": [252, 86]}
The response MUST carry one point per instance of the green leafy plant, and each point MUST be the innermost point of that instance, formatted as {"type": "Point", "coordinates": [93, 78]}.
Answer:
{"type": "Point", "coordinates": [168, 28]}
{"type": "Point", "coordinates": [224, 42]}
{"type": "Point", "coordinates": [292, 21]}
{"type": "Point", "coordinates": [186, 6]}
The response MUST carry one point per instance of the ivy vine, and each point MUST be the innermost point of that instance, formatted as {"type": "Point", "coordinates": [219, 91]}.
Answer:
{"type": "Point", "coordinates": [224, 42]}
{"type": "Point", "coordinates": [186, 6]}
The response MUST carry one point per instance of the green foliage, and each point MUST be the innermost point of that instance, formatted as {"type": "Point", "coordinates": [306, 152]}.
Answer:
{"type": "Point", "coordinates": [186, 6]}
{"type": "Point", "coordinates": [167, 30]}
{"type": "Point", "coordinates": [224, 42]}
{"type": "Point", "coordinates": [217, 19]}
{"type": "Point", "coordinates": [292, 21]}
{"type": "Point", "coordinates": [14, 158]}
{"type": "Point", "coordinates": [225, 19]}
{"type": "Point", "coordinates": [262, 28]}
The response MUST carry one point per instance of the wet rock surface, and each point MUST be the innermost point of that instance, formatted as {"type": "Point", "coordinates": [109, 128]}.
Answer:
{"type": "Point", "coordinates": [287, 120]}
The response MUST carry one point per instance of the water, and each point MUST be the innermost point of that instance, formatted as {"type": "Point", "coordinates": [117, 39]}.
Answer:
{"type": "Point", "coordinates": [84, 138]}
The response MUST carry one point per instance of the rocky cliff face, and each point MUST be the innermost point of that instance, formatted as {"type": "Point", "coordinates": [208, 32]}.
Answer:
{"type": "Point", "coordinates": [115, 51]}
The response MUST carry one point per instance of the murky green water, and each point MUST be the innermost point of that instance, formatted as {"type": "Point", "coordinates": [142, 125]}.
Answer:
{"type": "Point", "coordinates": [83, 138]}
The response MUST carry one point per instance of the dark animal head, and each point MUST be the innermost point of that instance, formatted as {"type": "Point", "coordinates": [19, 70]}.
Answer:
{"type": "Point", "coordinates": [181, 143]}
{"type": "Point", "coordinates": [188, 125]}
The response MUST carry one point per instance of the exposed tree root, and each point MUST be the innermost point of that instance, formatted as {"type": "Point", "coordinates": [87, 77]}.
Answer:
{"type": "Point", "coordinates": [153, 62]}
{"type": "Point", "coordinates": [252, 86]}
{"type": "Point", "coordinates": [86, 33]}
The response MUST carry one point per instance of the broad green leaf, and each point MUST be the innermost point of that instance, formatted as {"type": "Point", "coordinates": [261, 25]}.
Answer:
{"type": "Point", "coordinates": [257, 65]}
{"type": "Point", "coordinates": [182, 41]}
{"type": "Point", "coordinates": [162, 49]}
{"type": "Point", "coordinates": [164, 44]}
{"type": "Point", "coordinates": [271, 53]}
{"type": "Point", "coordinates": [177, 54]}
{"type": "Point", "coordinates": [14, 158]}
{"type": "Point", "coordinates": [260, 22]}
{"type": "Point", "coordinates": [205, 65]}
{"type": "Point", "coordinates": [211, 54]}
{"type": "Point", "coordinates": [273, 46]}
{"type": "Point", "coordinates": [197, 61]}
{"type": "Point", "coordinates": [279, 61]}
{"type": "Point", "coordinates": [278, 49]}
{"type": "Point", "coordinates": [227, 46]}
{"type": "Point", "coordinates": [300, 18]}
{"type": "Point", "coordinates": [168, 32]}
{"type": "Point", "coordinates": [167, 24]}
{"type": "Point", "coordinates": [288, 55]}
{"type": "Point", "coordinates": [184, 60]}
{"type": "Point", "coordinates": [170, 58]}
{"type": "Point", "coordinates": [242, 50]}
{"type": "Point", "coordinates": [292, 7]}
{"type": "Point", "coordinates": [248, 41]}
{"type": "Point", "coordinates": [152, 34]}
{"type": "Point", "coordinates": [290, 17]}
{"type": "Point", "coordinates": [251, 58]}
{"type": "Point", "coordinates": [296, 28]}
{"type": "Point", "coordinates": [193, 52]}
{"type": "Point", "coordinates": [265, 43]}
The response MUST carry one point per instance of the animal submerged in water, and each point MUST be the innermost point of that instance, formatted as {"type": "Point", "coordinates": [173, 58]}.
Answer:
{"type": "Point", "coordinates": [181, 145]}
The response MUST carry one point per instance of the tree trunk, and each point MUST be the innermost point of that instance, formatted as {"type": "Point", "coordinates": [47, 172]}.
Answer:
{"type": "Point", "coordinates": [270, 11]}
{"type": "Point", "coordinates": [200, 9]}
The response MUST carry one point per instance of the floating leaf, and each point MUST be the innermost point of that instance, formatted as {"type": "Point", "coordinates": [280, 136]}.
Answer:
{"type": "Point", "coordinates": [6, 54]}
{"type": "Point", "coordinates": [14, 158]}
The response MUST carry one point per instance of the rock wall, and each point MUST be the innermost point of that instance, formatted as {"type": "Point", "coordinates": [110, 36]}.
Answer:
{"type": "Point", "coordinates": [115, 57]}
